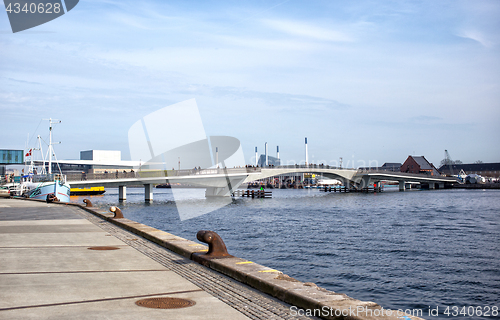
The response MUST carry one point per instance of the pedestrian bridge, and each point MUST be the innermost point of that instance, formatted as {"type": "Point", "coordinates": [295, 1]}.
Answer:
{"type": "Point", "coordinates": [223, 181]}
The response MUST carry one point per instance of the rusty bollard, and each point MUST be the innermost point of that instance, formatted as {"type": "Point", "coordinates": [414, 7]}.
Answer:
{"type": "Point", "coordinates": [118, 213]}
{"type": "Point", "coordinates": [51, 198]}
{"type": "Point", "coordinates": [216, 247]}
{"type": "Point", "coordinates": [87, 203]}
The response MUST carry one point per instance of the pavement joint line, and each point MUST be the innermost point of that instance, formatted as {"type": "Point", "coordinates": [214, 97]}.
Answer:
{"type": "Point", "coordinates": [82, 271]}
{"type": "Point", "coordinates": [98, 300]}
{"type": "Point", "coordinates": [249, 301]}
{"type": "Point", "coordinates": [69, 246]}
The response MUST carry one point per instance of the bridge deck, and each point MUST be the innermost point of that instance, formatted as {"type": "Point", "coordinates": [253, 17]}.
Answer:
{"type": "Point", "coordinates": [218, 177]}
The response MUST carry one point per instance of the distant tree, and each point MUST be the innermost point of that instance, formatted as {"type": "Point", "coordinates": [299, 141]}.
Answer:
{"type": "Point", "coordinates": [447, 162]}
{"type": "Point", "coordinates": [478, 162]}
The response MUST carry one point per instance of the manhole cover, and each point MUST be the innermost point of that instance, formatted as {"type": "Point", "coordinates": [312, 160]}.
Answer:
{"type": "Point", "coordinates": [165, 303]}
{"type": "Point", "coordinates": [103, 248]}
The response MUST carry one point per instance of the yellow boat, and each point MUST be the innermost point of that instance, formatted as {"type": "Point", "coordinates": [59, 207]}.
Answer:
{"type": "Point", "coordinates": [87, 191]}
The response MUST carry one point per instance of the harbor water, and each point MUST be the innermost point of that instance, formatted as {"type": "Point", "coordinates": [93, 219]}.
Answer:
{"type": "Point", "coordinates": [417, 250]}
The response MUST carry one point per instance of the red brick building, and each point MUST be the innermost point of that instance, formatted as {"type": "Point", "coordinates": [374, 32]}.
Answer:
{"type": "Point", "coordinates": [418, 164]}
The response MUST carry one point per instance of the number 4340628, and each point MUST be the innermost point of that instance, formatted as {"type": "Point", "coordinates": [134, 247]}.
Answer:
{"type": "Point", "coordinates": [485, 311]}
{"type": "Point", "coordinates": [34, 8]}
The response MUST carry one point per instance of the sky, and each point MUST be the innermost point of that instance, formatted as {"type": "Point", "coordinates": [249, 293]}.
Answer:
{"type": "Point", "coordinates": [368, 81]}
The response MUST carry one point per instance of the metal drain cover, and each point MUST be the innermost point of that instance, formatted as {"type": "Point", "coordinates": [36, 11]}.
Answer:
{"type": "Point", "coordinates": [103, 248]}
{"type": "Point", "coordinates": [165, 303]}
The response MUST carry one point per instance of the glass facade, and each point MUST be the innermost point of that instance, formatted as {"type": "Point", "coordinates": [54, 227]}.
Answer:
{"type": "Point", "coordinates": [11, 156]}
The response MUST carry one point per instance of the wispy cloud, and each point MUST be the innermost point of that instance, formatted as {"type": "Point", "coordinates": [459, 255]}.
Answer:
{"type": "Point", "coordinates": [306, 30]}
{"type": "Point", "coordinates": [426, 119]}
{"type": "Point", "coordinates": [23, 81]}
{"type": "Point", "coordinates": [268, 44]}
{"type": "Point", "coordinates": [476, 36]}
{"type": "Point", "coordinates": [129, 20]}
{"type": "Point", "coordinates": [285, 101]}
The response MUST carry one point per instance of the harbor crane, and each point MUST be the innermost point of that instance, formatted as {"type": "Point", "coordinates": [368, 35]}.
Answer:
{"type": "Point", "coordinates": [448, 161]}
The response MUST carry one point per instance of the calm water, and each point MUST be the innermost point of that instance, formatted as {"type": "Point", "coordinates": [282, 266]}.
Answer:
{"type": "Point", "coordinates": [403, 250]}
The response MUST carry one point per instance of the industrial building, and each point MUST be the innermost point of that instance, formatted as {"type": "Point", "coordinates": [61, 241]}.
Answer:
{"type": "Point", "coordinates": [483, 169]}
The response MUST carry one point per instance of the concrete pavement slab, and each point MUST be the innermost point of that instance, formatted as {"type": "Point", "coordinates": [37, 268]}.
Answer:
{"type": "Point", "coordinates": [44, 222]}
{"type": "Point", "coordinates": [60, 228]}
{"type": "Point", "coordinates": [206, 308]}
{"type": "Point", "coordinates": [73, 259]}
{"type": "Point", "coordinates": [20, 290]}
{"type": "Point", "coordinates": [34, 210]}
{"type": "Point", "coordinates": [13, 240]}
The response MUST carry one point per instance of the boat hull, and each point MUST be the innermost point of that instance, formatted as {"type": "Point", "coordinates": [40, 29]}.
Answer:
{"type": "Point", "coordinates": [43, 189]}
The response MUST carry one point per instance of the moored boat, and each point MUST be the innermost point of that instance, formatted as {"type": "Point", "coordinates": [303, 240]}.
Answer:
{"type": "Point", "coordinates": [87, 191]}
{"type": "Point", "coordinates": [44, 190]}
{"type": "Point", "coordinates": [38, 183]}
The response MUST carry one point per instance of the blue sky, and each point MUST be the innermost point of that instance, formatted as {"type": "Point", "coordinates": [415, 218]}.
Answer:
{"type": "Point", "coordinates": [363, 80]}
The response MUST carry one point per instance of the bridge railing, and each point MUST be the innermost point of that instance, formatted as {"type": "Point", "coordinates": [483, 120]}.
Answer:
{"type": "Point", "coordinates": [302, 166]}
{"type": "Point", "coordinates": [99, 176]}
{"type": "Point", "coordinates": [155, 173]}
{"type": "Point", "coordinates": [406, 174]}
{"type": "Point", "coordinates": [178, 173]}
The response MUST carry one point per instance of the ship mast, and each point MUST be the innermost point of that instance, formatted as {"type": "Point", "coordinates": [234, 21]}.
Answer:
{"type": "Point", "coordinates": [51, 122]}
{"type": "Point", "coordinates": [42, 170]}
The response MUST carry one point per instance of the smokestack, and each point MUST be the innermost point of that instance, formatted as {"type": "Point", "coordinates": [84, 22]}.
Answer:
{"type": "Point", "coordinates": [307, 159]}
{"type": "Point", "coordinates": [256, 157]}
{"type": "Point", "coordinates": [267, 157]}
{"type": "Point", "coordinates": [278, 152]}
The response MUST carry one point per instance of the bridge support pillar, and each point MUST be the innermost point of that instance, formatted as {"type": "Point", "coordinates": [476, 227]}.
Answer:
{"type": "Point", "coordinates": [432, 186]}
{"type": "Point", "coordinates": [365, 181]}
{"type": "Point", "coordinates": [148, 192]}
{"type": "Point", "coordinates": [122, 193]}
{"type": "Point", "coordinates": [441, 185]}
{"type": "Point", "coordinates": [402, 186]}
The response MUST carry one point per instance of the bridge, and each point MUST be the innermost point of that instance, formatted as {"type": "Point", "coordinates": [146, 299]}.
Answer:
{"type": "Point", "coordinates": [222, 182]}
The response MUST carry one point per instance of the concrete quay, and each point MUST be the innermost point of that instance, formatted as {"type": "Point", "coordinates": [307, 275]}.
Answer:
{"type": "Point", "coordinates": [48, 272]}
